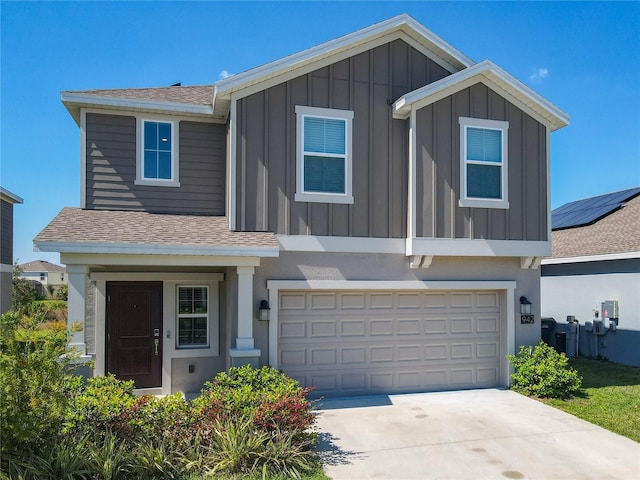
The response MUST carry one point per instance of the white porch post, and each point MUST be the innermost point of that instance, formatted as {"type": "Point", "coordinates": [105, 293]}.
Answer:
{"type": "Point", "coordinates": [245, 352]}
{"type": "Point", "coordinates": [77, 275]}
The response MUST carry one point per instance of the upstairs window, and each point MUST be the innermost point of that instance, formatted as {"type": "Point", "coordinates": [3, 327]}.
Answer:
{"type": "Point", "coordinates": [157, 158]}
{"type": "Point", "coordinates": [483, 163]}
{"type": "Point", "coordinates": [324, 163]}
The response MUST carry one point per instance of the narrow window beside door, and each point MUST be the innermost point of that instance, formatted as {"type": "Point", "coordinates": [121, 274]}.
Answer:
{"type": "Point", "coordinates": [193, 317]}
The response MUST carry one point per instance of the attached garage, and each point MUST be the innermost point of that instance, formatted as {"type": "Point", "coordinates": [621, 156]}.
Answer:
{"type": "Point", "coordinates": [353, 342]}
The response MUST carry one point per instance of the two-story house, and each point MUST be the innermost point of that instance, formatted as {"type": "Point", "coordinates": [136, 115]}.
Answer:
{"type": "Point", "coordinates": [381, 199]}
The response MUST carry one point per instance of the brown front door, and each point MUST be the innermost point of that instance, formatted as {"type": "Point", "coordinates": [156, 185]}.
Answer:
{"type": "Point", "coordinates": [134, 332]}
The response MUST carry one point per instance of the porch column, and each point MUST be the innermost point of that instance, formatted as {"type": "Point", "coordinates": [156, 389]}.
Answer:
{"type": "Point", "coordinates": [76, 302]}
{"type": "Point", "coordinates": [245, 353]}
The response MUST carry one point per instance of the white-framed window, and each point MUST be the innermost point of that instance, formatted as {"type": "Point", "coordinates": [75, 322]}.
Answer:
{"type": "Point", "coordinates": [193, 316]}
{"type": "Point", "coordinates": [323, 158]}
{"type": "Point", "coordinates": [157, 152]}
{"type": "Point", "coordinates": [483, 163]}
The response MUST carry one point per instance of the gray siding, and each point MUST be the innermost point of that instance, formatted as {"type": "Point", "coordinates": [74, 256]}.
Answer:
{"type": "Point", "coordinates": [6, 233]}
{"type": "Point", "coordinates": [438, 171]}
{"type": "Point", "coordinates": [5, 292]}
{"type": "Point", "coordinates": [111, 169]}
{"type": "Point", "coordinates": [266, 146]}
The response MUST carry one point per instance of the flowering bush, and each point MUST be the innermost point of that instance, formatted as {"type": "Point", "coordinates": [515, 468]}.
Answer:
{"type": "Point", "coordinates": [266, 396]}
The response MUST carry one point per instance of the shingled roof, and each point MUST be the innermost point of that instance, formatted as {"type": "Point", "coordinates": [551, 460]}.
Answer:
{"type": "Point", "coordinates": [76, 230]}
{"type": "Point", "coordinates": [196, 95]}
{"type": "Point", "coordinates": [616, 233]}
{"type": "Point", "coordinates": [40, 266]}
{"type": "Point", "coordinates": [187, 101]}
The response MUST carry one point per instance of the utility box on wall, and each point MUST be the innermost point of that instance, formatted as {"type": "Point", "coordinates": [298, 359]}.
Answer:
{"type": "Point", "coordinates": [609, 309]}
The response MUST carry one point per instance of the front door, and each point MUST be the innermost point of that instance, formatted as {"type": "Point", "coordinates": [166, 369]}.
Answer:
{"type": "Point", "coordinates": [134, 325]}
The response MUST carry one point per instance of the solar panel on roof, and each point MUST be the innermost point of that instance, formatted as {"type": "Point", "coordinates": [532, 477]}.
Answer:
{"type": "Point", "coordinates": [589, 210]}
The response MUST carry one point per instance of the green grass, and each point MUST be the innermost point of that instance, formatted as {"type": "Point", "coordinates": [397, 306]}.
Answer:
{"type": "Point", "coordinates": [610, 396]}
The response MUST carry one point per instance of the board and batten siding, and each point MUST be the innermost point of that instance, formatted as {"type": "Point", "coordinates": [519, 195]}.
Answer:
{"type": "Point", "coordinates": [6, 233]}
{"type": "Point", "coordinates": [111, 169]}
{"type": "Point", "coordinates": [367, 84]}
{"type": "Point", "coordinates": [438, 171]}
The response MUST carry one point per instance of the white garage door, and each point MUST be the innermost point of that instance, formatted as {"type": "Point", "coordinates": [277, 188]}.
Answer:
{"type": "Point", "coordinates": [363, 342]}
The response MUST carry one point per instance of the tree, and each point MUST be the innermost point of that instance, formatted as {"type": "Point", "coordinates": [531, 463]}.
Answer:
{"type": "Point", "coordinates": [63, 292]}
{"type": "Point", "coordinates": [23, 291]}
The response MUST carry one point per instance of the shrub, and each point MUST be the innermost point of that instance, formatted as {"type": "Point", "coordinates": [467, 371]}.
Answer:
{"type": "Point", "coordinates": [168, 418]}
{"type": "Point", "coordinates": [97, 406]}
{"type": "Point", "coordinates": [542, 372]}
{"type": "Point", "coordinates": [266, 396]}
{"type": "Point", "coordinates": [35, 385]}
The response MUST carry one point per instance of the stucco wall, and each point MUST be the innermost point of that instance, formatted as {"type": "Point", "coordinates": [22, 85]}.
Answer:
{"type": "Point", "coordinates": [579, 294]}
{"type": "Point", "coordinates": [350, 266]}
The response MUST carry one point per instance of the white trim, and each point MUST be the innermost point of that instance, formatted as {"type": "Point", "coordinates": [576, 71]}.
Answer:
{"type": "Point", "coordinates": [591, 258]}
{"type": "Point", "coordinates": [314, 243]}
{"type": "Point", "coordinates": [464, 247]}
{"type": "Point", "coordinates": [6, 268]}
{"type": "Point", "coordinates": [503, 128]}
{"type": "Point", "coordinates": [548, 173]}
{"type": "Point", "coordinates": [7, 196]}
{"type": "Point", "coordinates": [83, 158]}
{"type": "Point", "coordinates": [244, 353]}
{"type": "Point", "coordinates": [412, 180]}
{"type": "Point", "coordinates": [231, 188]}
{"type": "Point", "coordinates": [131, 103]}
{"type": "Point", "coordinates": [169, 289]}
{"type": "Point", "coordinates": [400, 27]}
{"type": "Point", "coordinates": [174, 181]}
{"type": "Point", "coordinates": [150, 249]}
{"type": "Point", "coordinates": [495, 78]}
{"type": "Point", "coordinates": [344, 115]}
{"type": "Point", "coordinates": [155, 260]}
{"type": "Point", "coordinates": [275, 286]}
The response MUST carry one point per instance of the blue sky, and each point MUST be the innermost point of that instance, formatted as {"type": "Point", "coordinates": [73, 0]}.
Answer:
{"type": "Point", "coordinates": [583, 57]}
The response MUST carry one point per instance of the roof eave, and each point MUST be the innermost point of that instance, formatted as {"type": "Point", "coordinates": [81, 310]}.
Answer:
{"type": "Point", "coordinates": [75, 101]}
{"type": "Point", "coordinates": [153, 249]}
{"type": "Point", "coordinates": [485, 71]}
{"type": "Point", "coordinates": [401, 23]}
{"type": "Point", "coordinates": [10, 197]}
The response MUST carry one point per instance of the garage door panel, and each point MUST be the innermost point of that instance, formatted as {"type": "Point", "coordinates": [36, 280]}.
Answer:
{"type": "Point", "coordinates": [322, 301]}
{"type": "Point", "coordinates": [487, 324]}
{"type": "Point", "coordinates": [293, 329]}
{"type": "Point", "coordinates": [323, 328]}
{"type": "Point", "coordinates": [461, 325]}
{"type": "Point", "coordinates": [292, 301]}
{"type": "Point", "coordinates": [487, 300]}
{"type": "Point", "coordinates": [409, 326]}
{"type": "Point", "coordinates": [349, 343]}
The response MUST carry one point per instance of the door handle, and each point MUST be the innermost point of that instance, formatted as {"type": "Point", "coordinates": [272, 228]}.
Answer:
{"type": "Point", "coordinates": [156, 341]}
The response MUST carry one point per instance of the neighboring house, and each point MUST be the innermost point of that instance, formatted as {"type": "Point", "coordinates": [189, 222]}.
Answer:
{"type": "Point", "coordinates": [596, 257]}
{"type": "Point", "coordinates": [7, 201]}
{"type": "Point", "coordinates": [43, 273]}
{"type": "Point", "coordinates": [384, 195]}
{"type": "Point", "coordinates": [46, 273]}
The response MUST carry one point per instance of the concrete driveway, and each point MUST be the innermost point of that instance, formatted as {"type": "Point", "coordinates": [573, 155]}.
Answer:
{"type": "Point", "coordinates": [474, 434]}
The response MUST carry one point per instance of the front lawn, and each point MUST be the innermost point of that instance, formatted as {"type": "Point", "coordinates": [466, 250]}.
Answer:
{"type": "Point", "coordinates": [610, 398]}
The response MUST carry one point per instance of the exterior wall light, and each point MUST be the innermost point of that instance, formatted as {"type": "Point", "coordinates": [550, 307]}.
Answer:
{"type": "Point", "coordinates": [526, 317]}
{"type": "Point", "coordinates": [263, 311]}
{"type": "Point", "coordinates": [525, 306]}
